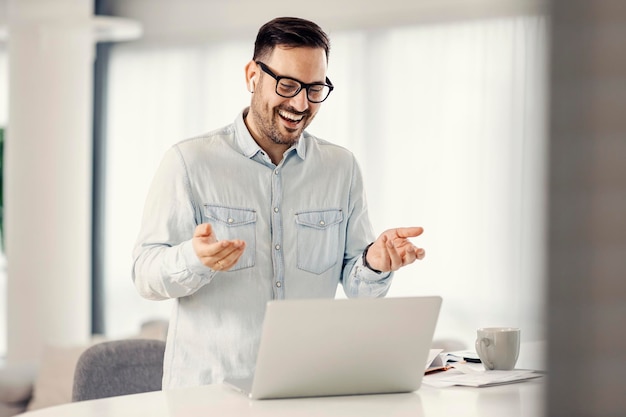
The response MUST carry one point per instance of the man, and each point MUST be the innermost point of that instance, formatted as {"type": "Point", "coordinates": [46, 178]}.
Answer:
{"type": "Point", "coordinates": [259, 210]}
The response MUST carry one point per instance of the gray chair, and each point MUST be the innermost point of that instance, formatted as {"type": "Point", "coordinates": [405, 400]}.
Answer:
{"type": "Point", "coordinates": [119, 367]}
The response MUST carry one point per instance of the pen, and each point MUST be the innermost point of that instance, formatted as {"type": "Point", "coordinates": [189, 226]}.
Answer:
{"type": "Point", "coordinates": [437, 370]}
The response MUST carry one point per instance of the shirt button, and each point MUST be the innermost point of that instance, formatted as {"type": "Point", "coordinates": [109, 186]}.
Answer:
{"type": "Point", "coordinates": [322, 222]}
{"type": "Point", "coordinates": [275, 209]}
{"type": "Point", "coordinates": [277, 247]}
{"type": "Point", "coordinates": [230, 220]}
{"type": "Point", "coordinates": [278, 284]}
{"type": "Point", "coordinates": [275, 172]}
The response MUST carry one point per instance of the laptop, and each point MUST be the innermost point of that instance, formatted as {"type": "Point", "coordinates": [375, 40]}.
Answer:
{"type": "Point", "coordinates": [326, 347]}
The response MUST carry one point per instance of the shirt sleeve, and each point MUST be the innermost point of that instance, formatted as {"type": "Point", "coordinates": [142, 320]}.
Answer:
{"type": "Point", "coordinates": [363, 282]}
{"type": "Point", "coordinates": [165, 264]}
{"type": "Point", "coordinates": [357, 279]}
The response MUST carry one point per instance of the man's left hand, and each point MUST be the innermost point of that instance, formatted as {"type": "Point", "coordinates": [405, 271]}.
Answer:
{"type": "Point", "coordinates": [393, 250]}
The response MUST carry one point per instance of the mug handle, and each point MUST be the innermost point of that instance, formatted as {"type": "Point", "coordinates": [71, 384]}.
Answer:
{"type": "Point", "coordinates": [481, 348]}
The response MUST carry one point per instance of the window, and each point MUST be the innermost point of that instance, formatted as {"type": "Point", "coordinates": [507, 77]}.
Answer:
{"type": "Point", "coordinates": [449, 134]}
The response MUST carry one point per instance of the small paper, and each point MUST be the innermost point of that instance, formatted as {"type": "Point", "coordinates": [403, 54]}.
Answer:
{"type": "Point", "coordinates": [434, 359]}
{"type": "Point", "coordinates": [435, 362]}
{"type": "Point", "coordinates": [476, 376]}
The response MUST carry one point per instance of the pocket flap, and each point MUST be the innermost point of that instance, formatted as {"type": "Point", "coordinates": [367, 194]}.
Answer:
{"type": "Point", "coordinates": [229, 215]}
{"type": "Point", "coordinates": [320, 219]}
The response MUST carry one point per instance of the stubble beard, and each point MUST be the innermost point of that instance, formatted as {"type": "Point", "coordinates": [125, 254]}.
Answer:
{"type": "Point", "coordinates": [268, 124]}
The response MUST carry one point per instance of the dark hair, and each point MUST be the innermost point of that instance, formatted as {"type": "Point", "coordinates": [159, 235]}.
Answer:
{"type": "Point", "coordinates": [291, 32]}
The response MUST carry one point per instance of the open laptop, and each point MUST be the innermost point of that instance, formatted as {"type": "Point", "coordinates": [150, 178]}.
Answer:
{"type": "Point", "coordinates": [324, 347]}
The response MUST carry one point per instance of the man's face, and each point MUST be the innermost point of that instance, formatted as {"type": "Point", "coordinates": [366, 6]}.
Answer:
{"type": "Point", "coordinates": [278, 119]}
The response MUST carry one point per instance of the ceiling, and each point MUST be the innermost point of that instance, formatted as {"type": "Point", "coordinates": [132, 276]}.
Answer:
{"type": "Point", "coordinates": [204, 20]}
{"type": "Point", "coordinates": [173, 21]}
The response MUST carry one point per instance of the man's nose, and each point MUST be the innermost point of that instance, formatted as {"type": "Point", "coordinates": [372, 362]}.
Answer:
{"type": "Point", "coordinates": [300, 101]}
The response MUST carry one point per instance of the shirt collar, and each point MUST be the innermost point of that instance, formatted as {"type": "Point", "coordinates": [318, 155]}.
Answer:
{"type": "Point", "coordinates": [248, 145]}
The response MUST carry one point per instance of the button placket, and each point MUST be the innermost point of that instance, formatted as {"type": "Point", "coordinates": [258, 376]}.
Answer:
{"type": "Point", "coordinates": [276, 227]}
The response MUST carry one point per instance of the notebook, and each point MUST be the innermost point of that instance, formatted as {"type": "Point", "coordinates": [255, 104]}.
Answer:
{"type": "Point", "coordinates": [325, 347]}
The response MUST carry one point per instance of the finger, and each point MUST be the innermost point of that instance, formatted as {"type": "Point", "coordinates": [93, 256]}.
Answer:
{"type": "Point", "coordinates": [217, 265]}
{"type": "Point", "coordinates": [233, 250]}
{"type": "Point", "coordinates": [410, 255]}
{"type": "Point", "coordinates": [221, 249]}
{"type": "Point", "coordinates": [394, 257]}
{"type": "Point", "coordinates": [226, 256]}
{"type": "Point", "coordinates": [408, 231]}
{"type": "Point", "coordinates": [402, 244]}
{"type": "Point", "coordinates": [203, 230]}
{"type": "Point", "coordinates": [229, 261]}
{"type": "Point", "coordinates": [212, 251]}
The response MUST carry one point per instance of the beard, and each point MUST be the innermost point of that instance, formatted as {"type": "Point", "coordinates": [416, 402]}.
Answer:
{"type": "Point", "coordinates": [269, 125]}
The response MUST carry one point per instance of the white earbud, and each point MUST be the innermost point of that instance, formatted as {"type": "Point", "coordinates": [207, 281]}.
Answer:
{"type": "Point", "coordinates": [251, 85]}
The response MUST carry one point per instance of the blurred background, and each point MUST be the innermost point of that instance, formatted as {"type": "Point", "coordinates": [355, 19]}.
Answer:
{"type": "Point", "coordinates": [443, 103]}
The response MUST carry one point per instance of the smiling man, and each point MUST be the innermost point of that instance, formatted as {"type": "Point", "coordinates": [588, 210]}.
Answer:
{"type": "Point", "coordinates": [259, 210]}
{"type": "Point", "coordinates": [279, 113]}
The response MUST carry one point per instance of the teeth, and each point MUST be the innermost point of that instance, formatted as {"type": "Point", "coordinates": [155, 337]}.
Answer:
{"type": "Point", "coordinates": [290, 116]}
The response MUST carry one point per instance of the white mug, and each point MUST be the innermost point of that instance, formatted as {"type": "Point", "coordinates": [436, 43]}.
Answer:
{"type": "Point", "coordinates": [498, 347]}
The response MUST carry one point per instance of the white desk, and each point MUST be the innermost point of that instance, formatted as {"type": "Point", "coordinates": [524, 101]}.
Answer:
{"type": "Point", "coordinates": [513, 400]}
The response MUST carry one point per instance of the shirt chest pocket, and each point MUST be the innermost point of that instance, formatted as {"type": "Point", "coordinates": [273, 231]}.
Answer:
{"type": "Point", "coordinates": [318, 239]}
{"type": "Point", "coordinates": [235, 223]}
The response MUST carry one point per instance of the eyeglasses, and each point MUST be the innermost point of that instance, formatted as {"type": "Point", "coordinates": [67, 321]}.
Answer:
{"type": "Point", "coordinates": [290, 87]}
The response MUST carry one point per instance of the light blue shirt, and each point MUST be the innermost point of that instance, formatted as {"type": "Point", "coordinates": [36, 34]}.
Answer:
{"type": "Point", "coordinates": [305, 225]}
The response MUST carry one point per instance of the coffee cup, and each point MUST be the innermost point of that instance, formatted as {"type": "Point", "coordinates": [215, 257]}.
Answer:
{"type": "Point", "coordinates": [498, 347]}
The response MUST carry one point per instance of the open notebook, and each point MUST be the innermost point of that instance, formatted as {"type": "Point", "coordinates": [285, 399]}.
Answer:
{"type": "Point", "coordinates": [328, 347]}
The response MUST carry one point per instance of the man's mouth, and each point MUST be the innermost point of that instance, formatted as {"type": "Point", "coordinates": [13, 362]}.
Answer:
{"type": "Point", "coordinates": [290, 117]}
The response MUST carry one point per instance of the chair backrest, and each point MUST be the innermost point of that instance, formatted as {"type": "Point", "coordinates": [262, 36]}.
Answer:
{"type": "Point", "coordinates": [119, 367]}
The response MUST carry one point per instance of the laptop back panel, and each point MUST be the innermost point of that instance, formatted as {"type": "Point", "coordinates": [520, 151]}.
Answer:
{"type": "Point", "coordinates": [342, 347]}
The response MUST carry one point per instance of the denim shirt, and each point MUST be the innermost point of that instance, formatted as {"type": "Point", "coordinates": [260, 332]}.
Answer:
{"type": "Point", "coordinates": [305, 225]}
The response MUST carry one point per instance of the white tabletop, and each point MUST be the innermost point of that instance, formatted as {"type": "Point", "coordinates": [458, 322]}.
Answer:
{"type": "Point", "coordinates": [512, 400]}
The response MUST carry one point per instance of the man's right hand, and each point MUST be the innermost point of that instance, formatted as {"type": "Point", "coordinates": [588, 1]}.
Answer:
{"type": "Point", "coordinates": [219, 255]}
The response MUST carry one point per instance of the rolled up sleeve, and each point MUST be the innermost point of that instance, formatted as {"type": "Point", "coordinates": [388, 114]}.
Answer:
{"type": "Point", "coordinates": [165, 264]}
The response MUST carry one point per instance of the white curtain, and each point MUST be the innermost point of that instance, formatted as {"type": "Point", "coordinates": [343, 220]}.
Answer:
{"type": "Point", "coordinates": [447, 121]}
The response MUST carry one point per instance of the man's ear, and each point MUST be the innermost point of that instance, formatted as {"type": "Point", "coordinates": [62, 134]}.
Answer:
{"type": "Point", "coordinates": [251, 74]}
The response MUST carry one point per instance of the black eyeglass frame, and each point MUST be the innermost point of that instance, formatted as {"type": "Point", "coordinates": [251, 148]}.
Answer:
{"type": "Point", "coordinates": [305, 86]}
